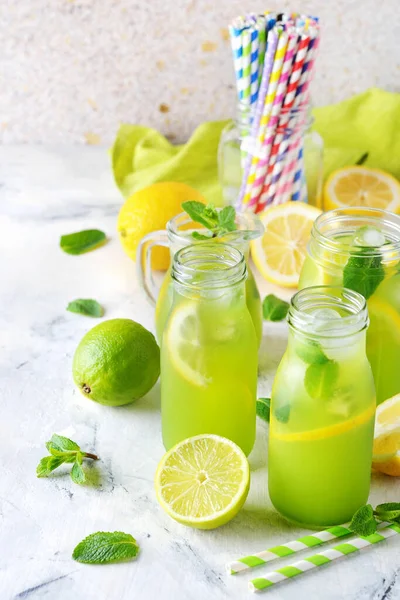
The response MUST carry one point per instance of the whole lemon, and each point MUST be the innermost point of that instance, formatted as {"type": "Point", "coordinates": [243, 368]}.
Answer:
{"type": "Point", "coordinates": [149, 210]}
{"type": "Point", "coordinates": [116, 362]}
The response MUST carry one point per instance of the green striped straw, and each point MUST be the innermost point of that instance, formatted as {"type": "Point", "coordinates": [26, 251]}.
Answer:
{"type": "Point", "coordinates": [266, 556]}
{"type": "Point", "coordinates": [322, 558]}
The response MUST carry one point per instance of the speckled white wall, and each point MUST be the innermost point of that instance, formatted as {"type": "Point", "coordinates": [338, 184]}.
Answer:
{"type": "Point", "coordinates": [71, 70]}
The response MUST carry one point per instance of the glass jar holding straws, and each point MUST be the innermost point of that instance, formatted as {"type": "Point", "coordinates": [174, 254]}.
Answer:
{"type": "Point", "coordinates": [295, 174]}
{"type": "Point", "coordinates": [277, 157]}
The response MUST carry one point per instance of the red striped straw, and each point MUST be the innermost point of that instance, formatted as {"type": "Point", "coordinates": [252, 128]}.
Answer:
{"type": "Point", "coordinates": [285, 114]}
{"type": "Point", "coordinates": [282, 184]}
{"type": "Point", "coordinates": [269, 133]}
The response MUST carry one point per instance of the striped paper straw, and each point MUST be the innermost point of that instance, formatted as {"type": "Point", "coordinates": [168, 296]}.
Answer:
{"type": "Point", "coordinates": [299, 60]}
{"type": "Point", "coordinates": [262, 40]}
{"type": "Point", "coordinates": [272, 39]}
{"type": "Point", "coordinates": [322, 558]}
{"type": "Point", "coordinates": [299, 187]}
{"type": "Point", "coordinates": [258, 165]}
{"type": "Point", "coordinates": [307, 541]}
{"type": "Point", "coordinates": [245, 89]}
{"type": "Point", "coordinates": [279, 185]}
{"type": "Point", "coordinates": [235, 31]}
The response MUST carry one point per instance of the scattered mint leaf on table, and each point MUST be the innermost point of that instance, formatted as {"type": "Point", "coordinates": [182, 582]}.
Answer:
{"type": "Point", "coordinates": [106, 547]}
{"type": "Point", "coordinates": [263, 406]}
{"type": "Point", "coordinates": [63, 450]}
{"type": "Point", "coordinates": [274, 309]}
{"type": "Point", "coordinates": [363, 521]}
{"type": "Point", "coordinates": [389, 511]}
{"type": "Point", "coordinates": [363, 272]}
{"type": "Point", "coordinates": [217, 222]}
{"type": "Point", "coordinates": [82, 241]}
{"type": "Point", "coordinates": [87, 307]}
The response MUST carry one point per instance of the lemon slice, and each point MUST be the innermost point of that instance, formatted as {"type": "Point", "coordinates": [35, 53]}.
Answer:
{"type": "Point", "coordinates": [184, 348]}
{"type": "Point", "coordinates": [386, 453]}
{"type": "Point", "coordinates": [362, 186]}
{"type": "Point", "coordinates": [203, 481]}
{"type": "Point", "coordinates": [324, 432]}
{"type": "Point", "coordinates": [280, 253]}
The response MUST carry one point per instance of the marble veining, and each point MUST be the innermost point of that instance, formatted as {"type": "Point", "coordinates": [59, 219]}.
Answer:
{"type": "Point", "coordinates": [45, 192]}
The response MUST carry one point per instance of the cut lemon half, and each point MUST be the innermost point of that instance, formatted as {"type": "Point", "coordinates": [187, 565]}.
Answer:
{"type": "Point", "coordinates": [362, 186]}
{"type": "Point", "coordinates": [184, 348]}
{"type": "Point", "coordinates": [280, 253]}
{"type": "Point", "coordinates": [386, 453]}
{"type": "Point", "coordinates": [203, 481]}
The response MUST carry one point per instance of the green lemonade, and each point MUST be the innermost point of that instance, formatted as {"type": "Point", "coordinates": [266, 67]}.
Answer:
{"type": "Point", "coordinates": [322, 412]}
{"type": "Point", "coordinates": [335, 258]}
{"type": "Point", "coordinates": [209, 350]}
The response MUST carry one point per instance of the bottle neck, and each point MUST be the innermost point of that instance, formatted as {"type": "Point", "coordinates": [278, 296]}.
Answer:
{"type": "Point", "coordinates": [208, 270]}
{"type": "Point", "coordinates": [328, 313]}
{"type": "Point", "coordinates": [333, 232]}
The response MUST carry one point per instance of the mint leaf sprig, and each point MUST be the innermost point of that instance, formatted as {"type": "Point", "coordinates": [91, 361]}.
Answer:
{"type": "Point", "coordinates": [274, 309]}
{"type": "Point", "coordinates": [106, 547]}
{"type": "Point", "coordinates": [63, 450]}
{"type": "Point", "coordinates": [366, 519]}
{"type": "Point", "coordinates": [217, 222]}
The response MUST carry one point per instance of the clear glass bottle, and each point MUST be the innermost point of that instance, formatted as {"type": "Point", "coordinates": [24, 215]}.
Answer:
{"type": "Point", "coordinates": [178, 235]}
{"type": "Point", "coordinates": [272, 163]}
{"type": "Point", "coordinates": [359, 248]}
{"type": "Point", "coordinates": [209, 349]}
{"type": "Point", "coordinates": [322, 410]}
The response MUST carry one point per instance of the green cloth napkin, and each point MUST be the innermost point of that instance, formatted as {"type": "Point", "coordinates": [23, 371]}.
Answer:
{"type": "Point", "coordinates": [142, 156]}
{"type": "Point", "coordinates": [368, 122]}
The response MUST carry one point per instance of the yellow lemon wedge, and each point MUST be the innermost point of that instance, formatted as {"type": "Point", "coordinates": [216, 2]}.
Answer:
{"type": "Point", "coordinates": [203, 481]}
{"type": "Point", "coordinates": [280, 252]}
{"type": "Point", "coordinates": [362, 186]}
{"type": "Point", "coordinates": [386, 453]}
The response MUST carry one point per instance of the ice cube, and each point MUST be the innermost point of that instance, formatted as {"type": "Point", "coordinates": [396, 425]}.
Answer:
{"type": "Point", "coordinates": [369, 237]}
{"type": "Point", "coordinates": [326, 314]}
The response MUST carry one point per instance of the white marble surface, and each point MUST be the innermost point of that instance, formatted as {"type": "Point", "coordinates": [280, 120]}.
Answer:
{"type": "Point", "coordinates": [45, 192]}
{"type": "Point", "coordinates": [73, 69]}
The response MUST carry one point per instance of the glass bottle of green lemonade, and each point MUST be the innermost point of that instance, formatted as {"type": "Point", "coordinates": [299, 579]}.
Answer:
{"type": "Point", "coordinates": [178, 235]}
{"type": "Point", "coordinates": [359, 248]}
{"type": "Point", "coordinates": [322, 410]}
{"type": "Point", "coordinates": [209, 349]}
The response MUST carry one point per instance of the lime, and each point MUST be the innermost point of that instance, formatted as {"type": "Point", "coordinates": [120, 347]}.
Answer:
{"type": "Point", "coordinates": [203, 481]}
{"type": "Point", "coordinates": [116, 362]}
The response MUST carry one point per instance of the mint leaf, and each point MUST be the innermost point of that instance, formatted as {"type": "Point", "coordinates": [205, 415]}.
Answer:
{"type": "Point", "coordinates": [62, 444]}
{"type": "Point", "coordinates": [274, 309]}
{"type": "Point", "coordinates": [320, 379]}
{"type": "Point", "coordinates": [82, 241]}
{"type": "Point", "coordinates": [263, 406]}
{"type": "Point", "coordinates": [48, 464]}
{"type": "Point", "coordinates": [363, 522]}
{"type": "Point", "coordinates": [199, 236]}
{"type": "Point", "coordinates": [311, 352]}
{"type": "Point", "coordinates": [389, 511]}
{"type": "Point", "coordinates": [363, 272]}
{"type": "Point", "coordinates": [77, 473]}
{"type": "Point", "coordinates": [87, 307]}
{"type": "Point", "coordinates": [64, 450]}
{"type": "Point", "coordinates": [362, 159]}
{"type": "Point", "coordinates": [106, 547]}
{"type": "Point", "coordinates": [282, 413]}
{"type": "Point", "coordinates": [199, 213]}
{"type": "Point", "coordinates": [226, 219]}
